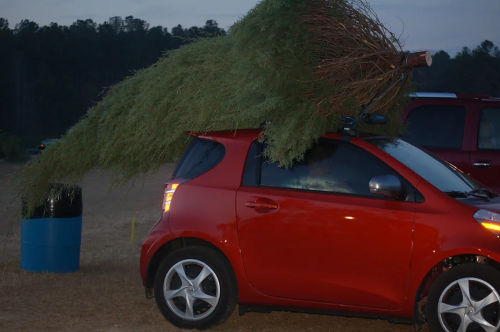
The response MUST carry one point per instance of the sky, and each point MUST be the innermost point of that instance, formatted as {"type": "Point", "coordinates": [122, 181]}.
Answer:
{"type": "Point", "coordinates": [424, 24]}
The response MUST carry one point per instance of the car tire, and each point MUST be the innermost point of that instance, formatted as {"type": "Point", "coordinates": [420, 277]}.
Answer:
{"type": "Point", "coordinates": [208, 287]}
{"type": "Point", "coordinates": [449, 307]}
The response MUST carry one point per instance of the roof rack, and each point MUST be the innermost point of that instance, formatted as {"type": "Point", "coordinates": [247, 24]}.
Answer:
{"type": "Point", "coordinates": [433, 95]}
{"type": "Point", "coordinates": [452, 95]}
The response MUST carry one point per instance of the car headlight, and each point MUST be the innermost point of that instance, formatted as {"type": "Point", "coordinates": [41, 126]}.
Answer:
{"type": "Point", "coordinates": [489, 220]}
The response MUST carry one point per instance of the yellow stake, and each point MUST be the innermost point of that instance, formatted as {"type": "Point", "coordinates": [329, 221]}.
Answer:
{"type": "Point", "coordinates": [133, 222]}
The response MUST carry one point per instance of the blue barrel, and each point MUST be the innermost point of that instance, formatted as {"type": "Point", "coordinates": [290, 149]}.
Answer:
{"type": "Point", "coordinates": [51, 237]}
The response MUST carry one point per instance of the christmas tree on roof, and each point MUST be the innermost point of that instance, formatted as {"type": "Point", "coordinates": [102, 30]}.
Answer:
{"type": "Point", "coordinates": [295, 66]}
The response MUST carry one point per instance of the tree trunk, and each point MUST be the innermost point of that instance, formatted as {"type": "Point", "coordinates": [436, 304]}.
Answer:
{"type": "Point", "coordinates": [412, 60]}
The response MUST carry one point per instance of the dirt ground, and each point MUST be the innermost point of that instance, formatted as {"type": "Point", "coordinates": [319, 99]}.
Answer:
{"type": "Point", "coordinates": [106, 294]}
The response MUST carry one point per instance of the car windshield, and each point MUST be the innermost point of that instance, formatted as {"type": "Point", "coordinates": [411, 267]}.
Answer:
{"type": "Point", "coordinates": [439, 173]}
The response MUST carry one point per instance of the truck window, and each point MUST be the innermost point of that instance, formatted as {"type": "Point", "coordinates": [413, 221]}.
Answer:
{"type": "Point", "coordinates": [436, 126]}
{"type": "Point", "coordinates": [489, 129]}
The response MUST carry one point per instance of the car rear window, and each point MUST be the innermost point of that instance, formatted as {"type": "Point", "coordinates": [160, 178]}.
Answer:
{"type": "Point", "coordinates": [201, 156]}
{"type": "Point", "coordinates": [436, 126]}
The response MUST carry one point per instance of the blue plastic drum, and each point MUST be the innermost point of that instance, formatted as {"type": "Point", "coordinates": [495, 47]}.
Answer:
{"type": "Point", "coordinates": [51, 237]}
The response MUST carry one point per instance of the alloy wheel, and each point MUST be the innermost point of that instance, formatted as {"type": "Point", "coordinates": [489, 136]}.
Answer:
{"type": "Point", "coordinates": [191, 289]}
{"type": "Point", "coordinates": [469, 304]}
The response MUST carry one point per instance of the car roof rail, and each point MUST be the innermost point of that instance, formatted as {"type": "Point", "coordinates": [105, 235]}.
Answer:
{"type": "Point", "coordinates": [452, 95]}
{"type": "Point", "coordinates": [433, 95]}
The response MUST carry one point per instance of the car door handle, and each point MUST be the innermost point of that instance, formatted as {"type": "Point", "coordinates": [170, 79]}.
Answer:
{"type": "Point", "coordinates": [253, 204]}
{"type": "Point", "coordinates": [482, 164]}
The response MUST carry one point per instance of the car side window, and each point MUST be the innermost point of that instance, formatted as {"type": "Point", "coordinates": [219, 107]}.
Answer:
{"type": "Point", "coordinates": [330, 166]}
{"type": "Point", "coordinates": [489, 129]}
{"type": "Point", "coordinates": [436, 126]}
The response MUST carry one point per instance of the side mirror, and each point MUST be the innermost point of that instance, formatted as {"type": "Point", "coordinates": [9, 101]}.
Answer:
{"type": "Point", "coordinates": [387, 186]}
{"type": "Point", "coordinates": [374, 119]}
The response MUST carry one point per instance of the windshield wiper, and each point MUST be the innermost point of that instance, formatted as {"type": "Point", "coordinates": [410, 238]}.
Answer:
{"type": "Point", "coordinates": [465, 194]}
{"type": "Point", "coordinates": [490, 193]}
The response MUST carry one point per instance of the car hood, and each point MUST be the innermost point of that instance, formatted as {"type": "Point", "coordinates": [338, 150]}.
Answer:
{"type": "Point", "coordinates": [492, 204]}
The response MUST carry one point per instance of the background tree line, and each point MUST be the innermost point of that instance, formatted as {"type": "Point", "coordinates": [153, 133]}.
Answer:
{"type": "Point", "coordinates": [50, 75]}
{"type": "Point", "coordinates": [474, 71]}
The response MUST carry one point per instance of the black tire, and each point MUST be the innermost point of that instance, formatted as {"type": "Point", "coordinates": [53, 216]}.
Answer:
{"type": "Point", "coordinates": [224, 273]}
{"type": "Point", "coordinates": [482, 272]}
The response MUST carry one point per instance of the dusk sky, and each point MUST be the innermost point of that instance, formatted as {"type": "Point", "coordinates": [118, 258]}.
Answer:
{"type": "Point", "coordinates": [428, 24]}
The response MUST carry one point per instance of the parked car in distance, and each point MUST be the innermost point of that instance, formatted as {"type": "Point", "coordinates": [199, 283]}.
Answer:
{"type": "Point", "coordinates": [46, 142]}
{"type": "Point", "coordinates": [462, 129]}
{"type": "Point", "coordinates": [373, 227]}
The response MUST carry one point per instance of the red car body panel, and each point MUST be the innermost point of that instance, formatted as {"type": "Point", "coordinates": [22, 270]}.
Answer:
{"type": "Point", "coordinates": [370, 264]}
{"type": "Point", "coordinates": [158, 237]}
{"type": "Point", "coordinates": [214, 218]}
{"type": "Point", "coordinates": [319, 252]}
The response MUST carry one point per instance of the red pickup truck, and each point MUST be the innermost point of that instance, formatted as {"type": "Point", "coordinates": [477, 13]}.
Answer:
{"type": "Point", "coordinates": [462, 129]}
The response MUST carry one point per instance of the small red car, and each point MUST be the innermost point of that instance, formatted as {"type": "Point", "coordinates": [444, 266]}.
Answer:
{"type": "Point", "coordinates": [462, 129]}
{"type": "Point", "coordinates": [371, 227]}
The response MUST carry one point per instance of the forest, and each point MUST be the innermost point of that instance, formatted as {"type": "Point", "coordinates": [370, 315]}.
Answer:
{"type": "Point", "coordinates": [51, 75]}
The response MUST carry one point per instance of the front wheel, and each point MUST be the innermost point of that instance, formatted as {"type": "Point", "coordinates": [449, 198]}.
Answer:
{"type": "Point", "coordinates": [195, 288]}
{"type": "Point", "coordinates": [465, 299]}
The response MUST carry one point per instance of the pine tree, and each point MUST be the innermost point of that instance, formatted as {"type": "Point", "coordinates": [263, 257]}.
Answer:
{"type": "Point", "coordinates": [294, 65]}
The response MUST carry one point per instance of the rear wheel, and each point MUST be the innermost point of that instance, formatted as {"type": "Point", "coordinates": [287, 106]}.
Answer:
{"type": "Point", "coordinates": [465, 299]}
{"type": "Point", "coordinates": [195, 288]}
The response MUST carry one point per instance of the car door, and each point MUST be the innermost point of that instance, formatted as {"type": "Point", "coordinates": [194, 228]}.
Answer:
{"type": "Point", "coordinates": [315, 233]}
{"type": "Point", "coordinates": [439, 126]}
{"type": "Point", "coordinates": [485, 154]}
